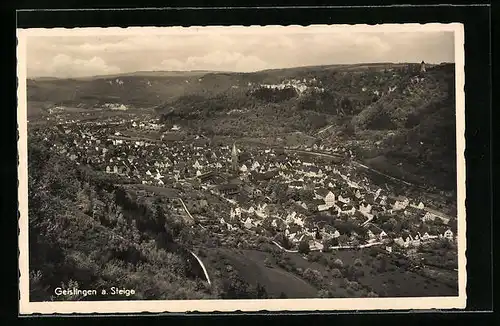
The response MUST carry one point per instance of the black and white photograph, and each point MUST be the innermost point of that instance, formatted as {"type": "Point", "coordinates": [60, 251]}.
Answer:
{"type": "Point", "coordinates": [224, 168]}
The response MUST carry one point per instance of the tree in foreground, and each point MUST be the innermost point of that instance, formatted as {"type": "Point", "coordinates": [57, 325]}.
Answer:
{"type": "Point", "coordinates": [304, 247]}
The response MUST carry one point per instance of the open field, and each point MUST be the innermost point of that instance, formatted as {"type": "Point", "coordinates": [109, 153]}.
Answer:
{"type": "Point", "coordinates": [250, 266]}
{"type": "Point", "coordinates": [261, 267]}
{"type": "Point", "coordinates": [395, 280]}
{"type": "Point", "coordinates": [382, 164]}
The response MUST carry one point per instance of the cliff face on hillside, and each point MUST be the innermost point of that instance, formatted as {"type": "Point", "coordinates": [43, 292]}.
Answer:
{"type": "Point", "coordinates": [416, 126]}
{"type": "Point", "coordinates": [405, 103]}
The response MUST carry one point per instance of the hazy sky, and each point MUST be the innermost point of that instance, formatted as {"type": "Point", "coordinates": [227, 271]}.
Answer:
{"type": "Point", "coordinates": [76, 56]}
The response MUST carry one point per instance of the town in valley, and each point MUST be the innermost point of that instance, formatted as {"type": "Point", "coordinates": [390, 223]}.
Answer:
{"type": "Point", "coordinates": [321, 181]}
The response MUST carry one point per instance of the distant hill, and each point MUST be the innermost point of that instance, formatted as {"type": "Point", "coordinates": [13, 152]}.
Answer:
{"type": "Point", "coordinates": [149, 87]}
{"type": "Point", "coordinates": [191, 73]}
{"type": "Point", "coordinates": [39, 79]}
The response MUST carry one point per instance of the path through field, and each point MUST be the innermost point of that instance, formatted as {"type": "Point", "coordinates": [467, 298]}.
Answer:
{"type": "Point", "coordinates": [202, 266]}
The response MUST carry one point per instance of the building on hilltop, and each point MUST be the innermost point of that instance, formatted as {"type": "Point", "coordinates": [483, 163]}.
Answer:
{"type": "Point", "coordinates": [422, 66]}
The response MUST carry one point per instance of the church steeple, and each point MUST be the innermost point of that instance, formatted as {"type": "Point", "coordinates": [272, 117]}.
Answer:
{"type": "Point", "coordinates": [234, 158]}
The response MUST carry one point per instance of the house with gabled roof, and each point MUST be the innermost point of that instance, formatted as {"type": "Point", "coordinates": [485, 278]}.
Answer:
{"type": "Point", "coordinates": [343, 200]}
{"type": "Point", "coordinates": [315, 245]}
{"type": "Point", "coordinates": [255, 165]}
{"type": "Point", "coordinates": [335, 234]}
{"type": "Point", "coordinates": [358, 194]}
{"type": "Point", "coordinates": [448, 234]}
{"type": "Point", "coordinates": [400, 242]}
{"type": "Point", "coordinates": [232, 214]}
{"type": "Point", "coordinates": [248, 224]}
{"type": "Point", "coordinates": [365, 208]}
{"type": "Point", "coordinates": [428, 217]}
{"type": "Point", "coordinates": [371, 235]}
{"type": "Point", "coordinates": [298, 221]}
{"type": "Point", "coordinates": [330, 199]}
{"type": "Point", "coordinates": [398, 205]}
{"type": "Point", "coordinates": [158, 176]}
{"type": "Point", "coordinates": [427, 236]}
{"type": "Point", "coordinates": [197, 165]}
{"type": "Point", "coordinates": [290, 216]}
